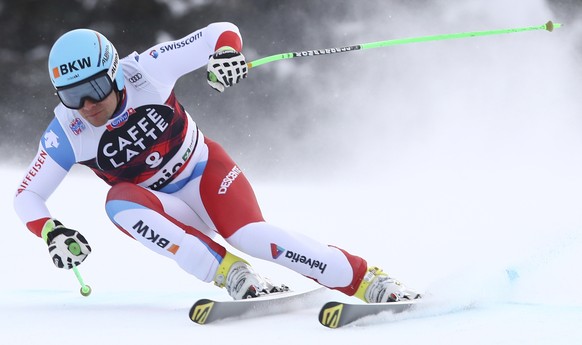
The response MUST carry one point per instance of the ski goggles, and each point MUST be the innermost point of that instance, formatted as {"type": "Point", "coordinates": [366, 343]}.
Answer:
{"type": "Point", "coordinates": [96, 89]}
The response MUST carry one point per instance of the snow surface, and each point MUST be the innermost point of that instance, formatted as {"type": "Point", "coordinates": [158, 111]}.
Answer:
{"type": "Point", "coordinates": [454, 248]}
{"type": "Point", "coordinates": [466, 164]}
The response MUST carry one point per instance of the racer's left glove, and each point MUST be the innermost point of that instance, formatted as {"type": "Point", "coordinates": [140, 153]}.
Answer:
{"type": "Point", "coordinates": [67, 247]}
{"type": "Point", "coordinates": [226, 67]}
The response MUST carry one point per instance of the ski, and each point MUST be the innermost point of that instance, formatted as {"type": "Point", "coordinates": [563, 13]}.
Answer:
{"type": "Point", "coordinates": [338, 314]}
{"type": "Point", "coordinates": [206, 311]}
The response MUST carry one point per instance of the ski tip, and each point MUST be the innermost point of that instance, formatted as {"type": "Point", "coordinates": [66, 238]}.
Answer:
{"type": "Point", "coordinates": [200, 311]}
{"type": "Point", "coordinates": [330, 314]}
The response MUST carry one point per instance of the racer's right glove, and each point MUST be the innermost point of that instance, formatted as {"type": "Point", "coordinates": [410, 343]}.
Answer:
{"type": "Point", "coordinates": [226, 67]}
{"type": "Point", "coordinates": [67, 247]}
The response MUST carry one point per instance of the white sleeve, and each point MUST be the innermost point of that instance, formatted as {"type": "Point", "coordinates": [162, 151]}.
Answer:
{"type": "Point", "coordinates": [41, 179]}
{"type": "Point", "coordinates": [168, 61]}
{"type": "Point", "coordinates": [53, 160]}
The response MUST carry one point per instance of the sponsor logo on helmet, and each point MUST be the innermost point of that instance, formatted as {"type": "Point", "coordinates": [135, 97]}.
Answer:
{"type": "Point", "coordinates": [113, 68]}
{"type": "Point", "coordinates": [77, 126]}
{"type": "Point", "coordinates": [106, 55]}
{"type": "Point", "coordinates": [154, 53]}
{"type": "Point", "coordinates": [71, 67]}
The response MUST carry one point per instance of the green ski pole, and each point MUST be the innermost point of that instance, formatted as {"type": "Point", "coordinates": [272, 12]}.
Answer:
{"type": "Point", "coordinates": [549, 26]}
{"type": "Point", "coordinates": [85, 289]}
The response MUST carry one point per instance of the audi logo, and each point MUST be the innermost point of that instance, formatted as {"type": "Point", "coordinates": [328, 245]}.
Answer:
{"type": "Point", "coordinates": [135, 78]}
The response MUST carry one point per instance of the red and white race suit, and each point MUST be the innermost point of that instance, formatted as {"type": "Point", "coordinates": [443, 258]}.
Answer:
{"type": "Point", "coordinates": [172, 189]}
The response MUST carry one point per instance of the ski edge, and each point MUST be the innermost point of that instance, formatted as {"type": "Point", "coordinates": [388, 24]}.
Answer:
{"type": "Point", "coordinates": [202, 313]}
{"type": "Point", "coordinates": [335, 314]}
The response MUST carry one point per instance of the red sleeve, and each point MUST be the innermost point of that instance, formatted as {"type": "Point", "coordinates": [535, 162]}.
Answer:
{"type": "Point", "coordinates": [229, 38]}
{"type": "Point", "coordinates": [36, 226]}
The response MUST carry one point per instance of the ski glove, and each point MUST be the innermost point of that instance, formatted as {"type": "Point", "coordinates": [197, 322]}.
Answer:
{"type": "Point", "coordinates": [226, 67]}
{"type": "Point", "coordinates": [67, 247]}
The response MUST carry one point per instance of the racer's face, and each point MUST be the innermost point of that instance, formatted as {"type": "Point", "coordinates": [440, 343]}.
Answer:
{"type": "Point", "coordinates": [98, 113]}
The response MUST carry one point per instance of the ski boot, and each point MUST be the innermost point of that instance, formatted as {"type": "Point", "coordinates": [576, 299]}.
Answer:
{"type": "Point", "coordinates": [378, 287]}
{"type": "Point", "coordinates": [241, 281]}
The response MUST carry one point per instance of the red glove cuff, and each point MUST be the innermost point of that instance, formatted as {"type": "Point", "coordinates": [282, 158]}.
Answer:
{"type": "Point", "coordinates": [229, 38]}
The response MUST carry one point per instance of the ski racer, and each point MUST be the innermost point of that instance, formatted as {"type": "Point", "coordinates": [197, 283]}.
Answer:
{"type": "Point", "coordinates": [172, 188]}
